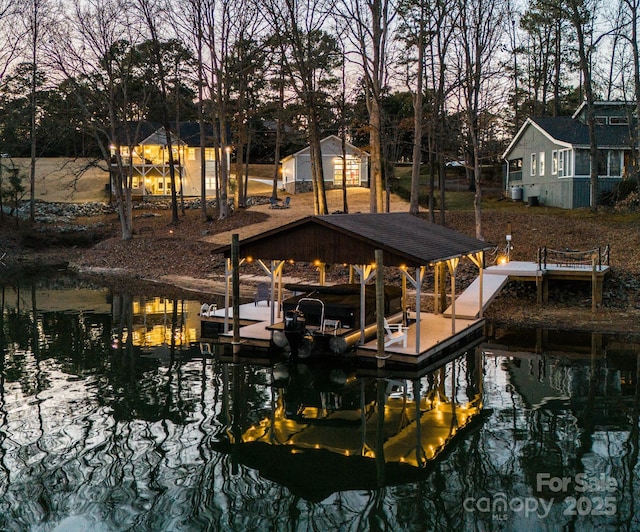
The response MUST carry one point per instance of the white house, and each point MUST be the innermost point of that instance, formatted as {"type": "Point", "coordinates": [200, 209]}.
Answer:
{"type": "Point", "coordinates": [296, 168]}
{"type": "Point", "coordinates": [150, 159]}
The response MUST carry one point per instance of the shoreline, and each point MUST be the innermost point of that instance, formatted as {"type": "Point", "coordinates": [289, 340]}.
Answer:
{"type": "Point", "coordinates": [182, 257]}
{"type": "Point", "coordinates": [508, 310]}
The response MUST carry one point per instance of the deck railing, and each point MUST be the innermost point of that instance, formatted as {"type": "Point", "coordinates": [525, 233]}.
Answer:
{"type": "Point", "coordinates": [570, 258]}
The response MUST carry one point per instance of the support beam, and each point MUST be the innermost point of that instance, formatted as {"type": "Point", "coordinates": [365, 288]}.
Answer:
{"type": "Point", "coordinates": [228, 273]}
{"type": "Point", "coordinates": [440, 288]}
{"type": "Point", "coordinates": [322, 272]}
{"type": "Point", "coordinates": [380, 354]}
{"type": "Point", "coordinates": [453, 267]}
{"type": "Point", "coordinates": [478, 260]}
{"type": "Point", "coordinates": [274, 272]}
{"type": "Point", "coordinates": [366, 273]}
{"type": "Point", "coordinates": [235, 265]}
{"type": "Point", "coordinates": [417, 284]}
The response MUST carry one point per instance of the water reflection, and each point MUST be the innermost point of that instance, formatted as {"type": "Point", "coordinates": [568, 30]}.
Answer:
{"type": "Point", "coordinates": [327, 431]}
{"type": "Point", "coordinates": [111, 419]}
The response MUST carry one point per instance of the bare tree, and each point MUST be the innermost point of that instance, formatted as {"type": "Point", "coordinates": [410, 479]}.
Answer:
{"type": "Point", "coordinates": [581, 13]}
{"type": "Point", "coordinates": [37, 17]}
{"type": "Point", "coordinates": [11, 36]}
{"type": "Point", "coordinates": [480, 29]}
{"type": "Point", "coordinates": [370, 22]}
{"type": "Point", "coordinates": [414, 31]}
{"type": "Point", "coordinates": [99, 62]}
{"type": "Point", "coordinates": [627, 28]}
{"type": "Point", "coordinates": [247, 66]}
{"type": "Point", "coordinates": [309, 56]}
{"type": "Point", "coordinates": [190, 17]}
{"type": "Point", "coordinates": [152, 12]}
{"type": "Point", "coordinates": [218, 38]}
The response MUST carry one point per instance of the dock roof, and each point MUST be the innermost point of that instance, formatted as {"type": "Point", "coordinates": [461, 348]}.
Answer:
{"type": "Point", "coordinates": [405, 239]}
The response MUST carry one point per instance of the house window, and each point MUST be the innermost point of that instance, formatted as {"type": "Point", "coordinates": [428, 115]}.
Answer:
{"type": "Point", "coordinates": [191, 154]}
{"type": "Point", "coordinates": [541, 164]}
{"type": "Point", "coordinates": [619, 121]}
{"type": "Point", "coordinates": [554, 162]}
{"type": "Point", "coordinates": [533, 164]}
{"type": "Point", "coordinates": [561, 163]}
{"type": "Point", "coordinates": [609, 163]}
{"type": "Point", "coordinates": [210, 154]}
{"type": "Point", "coordinates": [600, 120]}
{"type": "Point", "coordinates": [615, 163]}
{"type": "Point", "coordinates": [515, 170]}
{"type": "Point", "coordinates": [582, 163]}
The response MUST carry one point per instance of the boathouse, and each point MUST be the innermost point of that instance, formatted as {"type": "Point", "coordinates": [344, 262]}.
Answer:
{"type": "Point", "coordinates": [409, 243]}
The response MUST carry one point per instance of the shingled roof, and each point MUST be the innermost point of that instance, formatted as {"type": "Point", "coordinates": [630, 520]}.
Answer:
{"type": "Point", "coordinates": [575, 132]}
{"type": "Point", "coordinates": [405, 239]}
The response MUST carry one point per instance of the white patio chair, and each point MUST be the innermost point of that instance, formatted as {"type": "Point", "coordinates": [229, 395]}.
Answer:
{"type": "Point", "coordinates": [395, 333]}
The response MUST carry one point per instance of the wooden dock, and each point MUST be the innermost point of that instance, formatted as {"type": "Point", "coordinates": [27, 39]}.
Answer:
{"type": "Point", "coordinates": [439, 334]}
{"type": "Point", "coordinates": [436, 336]}
{"type": "Point", "coordinates": [495, 277]}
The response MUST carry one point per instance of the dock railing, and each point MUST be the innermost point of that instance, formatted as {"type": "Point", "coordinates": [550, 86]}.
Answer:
{"type": "Point", "coordinates": [570, 258]}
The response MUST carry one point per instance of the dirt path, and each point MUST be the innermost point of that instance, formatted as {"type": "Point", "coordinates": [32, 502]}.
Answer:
{"type": "Point", "coordinates": [301, 206]}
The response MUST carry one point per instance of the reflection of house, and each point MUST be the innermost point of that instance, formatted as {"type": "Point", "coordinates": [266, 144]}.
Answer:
{"type": "Point", "coordinates": [296, 168]}
{"type": "Point", "coordinates": [150, 159]}
{"type": "Point", "coordinates": [155, 320]}
{"type": "Point", "coordinates": [548, 159]}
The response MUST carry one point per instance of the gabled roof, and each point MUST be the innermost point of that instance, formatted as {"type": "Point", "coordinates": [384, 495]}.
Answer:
{"type": "Point", "coordinates": [405, 239]}
{"type": "Point", "coordinates": [159, 138]}
{"type": "Point", "coordinates": [143, 133]}
{"type": "Point", "coordinates": [601, 104]}
{"type": "Point", "coordinates": [331, 138]}
{"type": "Point", "coordinates": [573, 133]}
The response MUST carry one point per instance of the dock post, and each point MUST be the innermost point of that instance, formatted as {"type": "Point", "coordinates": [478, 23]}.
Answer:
{"type": "Point", "coordinates": [440, 288]}
{"type": "Point", "coordinates": [594, 285]}
{"type": "Point", "coordinates": [235, 282]}
{"type": "Point", "coordinates": [380, 355]}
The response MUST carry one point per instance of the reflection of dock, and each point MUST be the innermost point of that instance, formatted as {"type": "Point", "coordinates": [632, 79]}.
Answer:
{"type": "Point", "coordinates": [330, 431]}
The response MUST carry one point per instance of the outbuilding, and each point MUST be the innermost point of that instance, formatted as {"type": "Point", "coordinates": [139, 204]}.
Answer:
{"type": "Point", "coordinates": [296, 168]}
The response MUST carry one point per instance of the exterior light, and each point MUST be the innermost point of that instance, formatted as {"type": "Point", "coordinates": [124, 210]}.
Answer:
{"type": "Point", "coordinates": [249, 259]}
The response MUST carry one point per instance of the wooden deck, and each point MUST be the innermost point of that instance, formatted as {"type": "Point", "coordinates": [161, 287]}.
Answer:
{"type": "Point", "coordinates": [436, 336]}
{"type": "Point", "coordinates": [495, 277]}
{"type": "Point", "coordinates": [436, 339]}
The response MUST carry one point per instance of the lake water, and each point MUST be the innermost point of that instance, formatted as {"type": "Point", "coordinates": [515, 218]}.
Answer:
{"type": "Point", "coordinates": [111, 419]}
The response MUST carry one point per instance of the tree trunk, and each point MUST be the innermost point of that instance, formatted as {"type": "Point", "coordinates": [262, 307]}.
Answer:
{"type": "Point", "coordinates": [588, 91]}
{"type": "Point", "coordinates": [375, 127]}
{"type": "Point", "coordinates": [414, 199]}
{"type": "Point", "coordinates": [276, 162]}
{"type": "Point", "coordinates": [317, 172]}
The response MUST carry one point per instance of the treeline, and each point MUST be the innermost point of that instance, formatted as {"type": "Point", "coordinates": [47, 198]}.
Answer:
{"type": "Point", "coordinates": [426, 81]}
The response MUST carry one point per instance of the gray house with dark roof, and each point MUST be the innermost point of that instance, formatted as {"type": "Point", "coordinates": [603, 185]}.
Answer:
{"type": "Point", "coordinates": [548, 161]}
